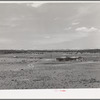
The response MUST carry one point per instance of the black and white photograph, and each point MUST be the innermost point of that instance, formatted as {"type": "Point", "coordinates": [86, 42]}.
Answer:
{"type": "Point", "coordinates": [49, 45]}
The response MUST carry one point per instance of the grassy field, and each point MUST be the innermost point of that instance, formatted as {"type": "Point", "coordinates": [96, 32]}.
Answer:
{"type": "Point", "coordinates": [43, 71]}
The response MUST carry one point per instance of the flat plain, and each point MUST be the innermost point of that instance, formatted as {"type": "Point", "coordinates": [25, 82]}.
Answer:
{"type": "Point", "coordinates": [41, 70]}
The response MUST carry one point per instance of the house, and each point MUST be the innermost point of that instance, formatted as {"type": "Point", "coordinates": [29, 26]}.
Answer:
{"type": "Point", "coordinates": [65, 58]}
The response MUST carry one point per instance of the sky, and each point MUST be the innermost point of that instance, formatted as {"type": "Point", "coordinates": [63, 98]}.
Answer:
{"type": "Point", "coordinates": [49, 26]}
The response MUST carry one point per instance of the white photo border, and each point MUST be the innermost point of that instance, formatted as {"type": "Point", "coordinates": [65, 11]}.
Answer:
{"type": "Point", "coordinates": [50, 93]}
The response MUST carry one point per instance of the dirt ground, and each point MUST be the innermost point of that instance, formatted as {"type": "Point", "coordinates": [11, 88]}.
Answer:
{"type": "Point", "coordinates": [42, 71]}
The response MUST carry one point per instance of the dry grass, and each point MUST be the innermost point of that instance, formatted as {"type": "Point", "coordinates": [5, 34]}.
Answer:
{"type": "Point", "coordinates": [28, 71]}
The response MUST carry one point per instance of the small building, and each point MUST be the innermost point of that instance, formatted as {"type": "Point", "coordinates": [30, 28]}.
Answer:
{"type": "Point", "coordinates": [65, 58]}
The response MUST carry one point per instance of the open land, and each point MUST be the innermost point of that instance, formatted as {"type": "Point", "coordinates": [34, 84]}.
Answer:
{"type": "Point", "coordinates": [41, 70]}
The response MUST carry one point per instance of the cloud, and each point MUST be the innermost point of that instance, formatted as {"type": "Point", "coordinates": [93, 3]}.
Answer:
{"type": "Point", "coordinates": [35, 5]}
{"type": "Point", "coordinates": [58, 38]}
{"type": "Point", "coordinates": [85, 29]}
{"type": "Point", "coordinates": [75, 23]}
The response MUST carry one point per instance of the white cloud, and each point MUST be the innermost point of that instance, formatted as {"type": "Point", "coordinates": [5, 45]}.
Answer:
{"type": "Point", "coordinates": [35, 5]}
{"type": "Point", "coordinates": [75, 23]}
{"type": "Point", "coordinates": [59, 38]}
{"type": "Point", "coordinates": [85, 29]}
